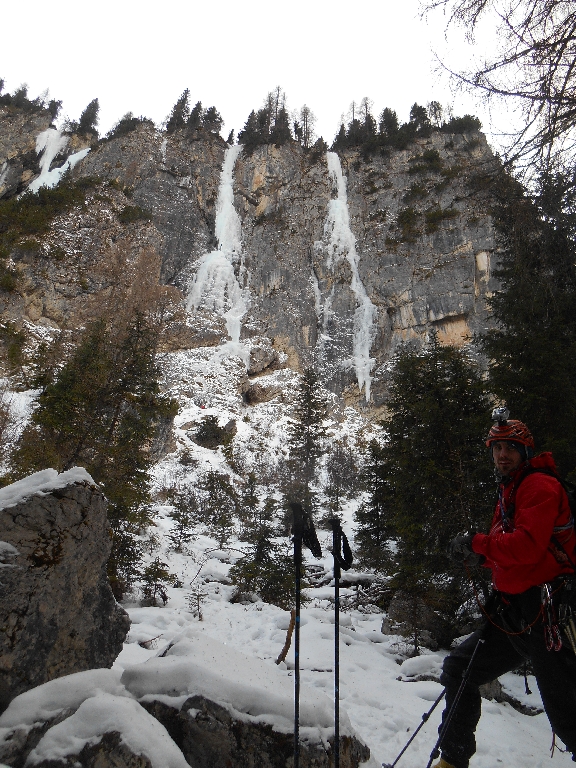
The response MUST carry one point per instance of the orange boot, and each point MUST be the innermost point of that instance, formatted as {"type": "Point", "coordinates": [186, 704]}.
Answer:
{"type": "Point", "coordinates": [442, 764]}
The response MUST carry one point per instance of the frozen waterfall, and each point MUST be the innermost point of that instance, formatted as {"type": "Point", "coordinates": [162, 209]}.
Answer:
{"type": "Point", "coordinates": [49, 143]}
{"type": "Point", "coordinates": [339, 242]}
{"type": "Point", "coordinates": [216, 287]}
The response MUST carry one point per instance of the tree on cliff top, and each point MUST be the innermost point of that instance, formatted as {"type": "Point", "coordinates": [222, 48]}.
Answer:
{"type": "Point", "coordinates": [533, 67]}
{"type": "Point", "coordinates": [89, 118]}
{"type": "Point", "coordinates": [180, 113]}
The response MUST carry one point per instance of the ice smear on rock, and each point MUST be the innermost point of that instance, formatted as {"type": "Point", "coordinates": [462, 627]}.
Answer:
{"type": "Point", "coordinates": [216, 287]}
{"type": "Point", "coordinates": [50, 143]}
{"type": "Point", "coordinates": [340, 243]}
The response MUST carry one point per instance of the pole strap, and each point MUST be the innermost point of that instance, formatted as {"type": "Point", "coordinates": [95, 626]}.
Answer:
{"type": "Point", "coordinates": [341, 551]}
{"type": "Point", "coordinates": [303, 529]}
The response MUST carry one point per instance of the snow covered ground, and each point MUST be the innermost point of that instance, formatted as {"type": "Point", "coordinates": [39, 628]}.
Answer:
{"type": "Point", "coordinates": [379, 700]}
{"type": "Point", "coordinates": [382, 704]}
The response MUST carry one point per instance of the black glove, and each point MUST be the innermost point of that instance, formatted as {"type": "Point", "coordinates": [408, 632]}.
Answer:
{"type": "Point", "coordinates": [460, 550]}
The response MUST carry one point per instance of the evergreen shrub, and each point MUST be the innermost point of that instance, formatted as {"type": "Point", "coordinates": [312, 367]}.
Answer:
{"type": "Point", "coordinates": [429, 478]}
{"type": "Point", "coordinates": [131, 213]}
{"type": "Point", "coordinates": [465, 124]}
{"type": "Point", "coordinates": [32, 213]}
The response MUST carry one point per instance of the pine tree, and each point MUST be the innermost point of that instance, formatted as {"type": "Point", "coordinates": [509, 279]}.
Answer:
{"type": "Point", "coordinates": [185, 516]}
{"type": "Point", "coordinates": [248, 503]}
{"type": "Point", "coordinates": [100, 411]}
{"type": "Point", "coordinates": [89, 118]}
{"type": "Point", "coordinates": [219, 506]}
{"type": "Point", "coordinates": [375, 532]}
{"type": "Point", "coordinates": [155, 579]}
{"type": "Point", "coordinates": [194, 121]}
{"type": "Point", "coordinates": [420, 120]}
{"type": "Point", "coordinates": [267, 570]}
{"type": "Point", "coordinates": [532, 351]}
{"type": "Point", "coordinates": [340, 142]}
{"type": "Point", "coordinates": [281, 132]}
{"type": "Point", "coordinates": [306, 435]}
{"type": "Point", "coordinates": [179, 114]}
{"type": "Point", "coordinates": [434, 478]}
{"type": "Point", "coordinates": [249, 136]}
{"type": "Point", "coordinates": [341, 473]}
{"type": "Point", "coordinates": [212, 120]}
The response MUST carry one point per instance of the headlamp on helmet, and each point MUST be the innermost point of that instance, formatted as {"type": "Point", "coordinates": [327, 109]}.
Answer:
{"type": "Point", "coordinates": [510, 430]}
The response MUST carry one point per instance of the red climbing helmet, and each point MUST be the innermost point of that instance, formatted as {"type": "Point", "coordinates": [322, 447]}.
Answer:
{"type": "Point", "coordinates": [508, 429]}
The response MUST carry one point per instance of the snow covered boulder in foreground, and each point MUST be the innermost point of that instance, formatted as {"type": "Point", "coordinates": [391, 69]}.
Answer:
{"type": "Point", "coordinates": [87, 719]}
{"type": "Point", "coordinates": [199, 703]}
{"type": "Point", "coordinates": [56, 604]}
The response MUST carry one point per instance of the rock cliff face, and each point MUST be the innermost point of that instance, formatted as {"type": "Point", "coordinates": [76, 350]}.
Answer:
{"type": "Point", "coordinates": [18, 159]}
{"type": "Point", "coordinates": [342, 258]}
{"type": "Point", "coordinates": [57, 611]}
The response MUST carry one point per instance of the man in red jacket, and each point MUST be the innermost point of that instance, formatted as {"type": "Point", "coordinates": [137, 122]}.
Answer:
{"type": "Point", "coordinates": [530, 546]}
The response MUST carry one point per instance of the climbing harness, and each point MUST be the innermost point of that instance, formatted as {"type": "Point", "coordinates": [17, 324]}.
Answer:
{"type": "Point", "coordinates": [342, 560]}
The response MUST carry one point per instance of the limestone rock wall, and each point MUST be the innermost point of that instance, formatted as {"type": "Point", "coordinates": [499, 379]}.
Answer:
{"type": "Point", "coordinates": [424, 239]}
{"type": "Point", "coordinates": [18, 159]}
{"type": "Point", "coordinates": [57, 611]}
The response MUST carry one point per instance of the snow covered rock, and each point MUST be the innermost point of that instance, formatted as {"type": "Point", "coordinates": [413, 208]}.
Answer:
{"type": "Point", "coordinates": [56, 606]}
{"type": "Point", "coordinates": [209, 735]}
{"type": "Point", "coordinates": [225, 708]}
{"type": "Point", "coordinates": [199, 703]}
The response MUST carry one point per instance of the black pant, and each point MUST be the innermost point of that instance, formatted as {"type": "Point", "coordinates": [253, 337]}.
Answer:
{"type": "Point", "coordinates": [555, 673]}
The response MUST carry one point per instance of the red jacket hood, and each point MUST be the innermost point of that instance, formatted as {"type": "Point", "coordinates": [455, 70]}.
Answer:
{"type": "Point", "coordinates": [544, 461]}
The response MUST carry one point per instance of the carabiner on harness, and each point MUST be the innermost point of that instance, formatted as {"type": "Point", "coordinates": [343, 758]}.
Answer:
{"type": "Point", "coordinates": [551, 628]}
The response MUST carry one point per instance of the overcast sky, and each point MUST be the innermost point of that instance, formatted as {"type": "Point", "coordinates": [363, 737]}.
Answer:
{"type": "Point", "coordinates": [140, 56]}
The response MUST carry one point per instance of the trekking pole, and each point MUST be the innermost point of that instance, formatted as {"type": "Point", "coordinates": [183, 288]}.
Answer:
{"type": "Point", "coordinates": [425, 717]}
{"type": "Point", "coordinates": [342, 559]}
{"type": "Point", "coordinates": [303, 532]}
{"type": "Point", "coordinates": [450, 714]}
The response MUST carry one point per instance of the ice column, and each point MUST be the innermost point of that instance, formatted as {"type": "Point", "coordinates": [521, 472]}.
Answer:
{"type": "Point", "coordinates": [216, 287]}
{"type": "Point", "coordinates": [341, 243]}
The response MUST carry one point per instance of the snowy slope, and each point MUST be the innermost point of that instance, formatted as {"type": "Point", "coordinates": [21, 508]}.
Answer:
{"type": "Point", "coordinates": [379, 701]}
{"type": "Point", "coordinates": [383, 710]}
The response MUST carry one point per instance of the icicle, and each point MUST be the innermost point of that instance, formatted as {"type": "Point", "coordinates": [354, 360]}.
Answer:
{"type": "Point", "coordinates": [341, 243]}
{"type": "Point", "coordinates": [215, 287]}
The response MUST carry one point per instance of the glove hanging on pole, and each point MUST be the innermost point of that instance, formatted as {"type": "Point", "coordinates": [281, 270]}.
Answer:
{"type": "Point", "coordinates": [340, 549]}
{"type": "Point", "coordinates": [460, 551]}
{"type": "Point", "coordinates": [303, 529]}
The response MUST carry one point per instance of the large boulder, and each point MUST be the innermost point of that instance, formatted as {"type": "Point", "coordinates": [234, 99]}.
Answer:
{"type": "Point", "coordinates": [57, 611]}
{"type": "Point", "coordinates": [209, 735]}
